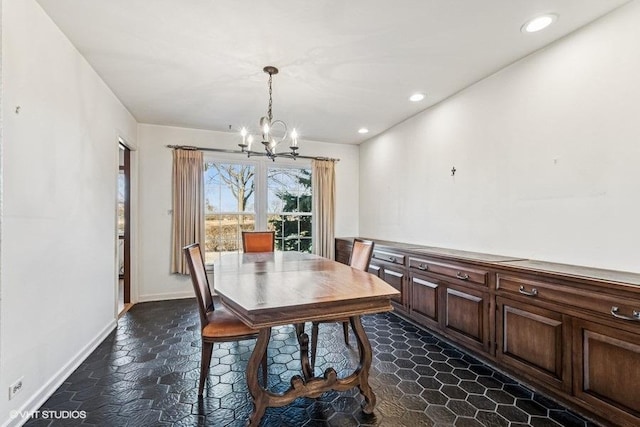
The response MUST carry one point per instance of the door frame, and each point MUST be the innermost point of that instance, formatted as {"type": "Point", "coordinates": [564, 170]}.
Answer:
{"type": "Point", "coordinates": [126, 167]}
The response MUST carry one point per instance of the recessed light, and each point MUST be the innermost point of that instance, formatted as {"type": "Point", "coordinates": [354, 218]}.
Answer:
{"type": "Point", "coordinates": [416, 97]}
{"type": "Point", "coordinates": [363, 130]}
{"type": "Point", "coordinates": [538, 23]}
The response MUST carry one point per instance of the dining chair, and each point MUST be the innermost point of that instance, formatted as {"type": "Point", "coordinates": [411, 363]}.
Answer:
{"type": "Point", "coordinates": [218, 324]}
{"type": "Point", "coordinates": [258, 241]}
{"type": "Point", "coordinates": [359, 259]}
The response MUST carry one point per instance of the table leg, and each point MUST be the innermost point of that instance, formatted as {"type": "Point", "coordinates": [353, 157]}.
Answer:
{"type": "Point", "coordinates": [259, 395]}
{"type": "Point", "coordinates": [299, 329]}
{"type": "Point", "coordinates": [364, 348]}
{"type": "Point", "coordinates": [303, 340]}
{"type": "Point", "coordinates": [309, 386]}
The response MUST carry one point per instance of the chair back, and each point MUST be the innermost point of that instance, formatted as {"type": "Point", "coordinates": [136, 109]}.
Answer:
{"type": "Point", "coordinates": [361, 254]}
{"type": "Point", "coordinates": [199, 280]}
{"type": "Point", "coordinates": [258, 241]}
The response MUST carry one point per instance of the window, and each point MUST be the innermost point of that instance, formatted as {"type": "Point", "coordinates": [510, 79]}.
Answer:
{"type": "Point", "coordinates": [254, 195]}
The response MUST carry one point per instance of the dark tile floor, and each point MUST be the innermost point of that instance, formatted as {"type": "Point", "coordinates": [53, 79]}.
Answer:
{"type": "Point", "coordinates": [145, 374]}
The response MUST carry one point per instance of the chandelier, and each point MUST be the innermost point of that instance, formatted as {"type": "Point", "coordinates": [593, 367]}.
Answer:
{"type": "Point", "coordinates": [268, 130]}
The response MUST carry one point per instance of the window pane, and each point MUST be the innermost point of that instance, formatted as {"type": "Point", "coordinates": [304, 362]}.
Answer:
{"type": "Point", "coordinates": [289, 190]}
{"type": "Point", "coordinates": [229, 187]}
{"type": "Point", "coordinates": [229, 206]}
{"type": "Point", "coordinates": [289, 207]}
{"type": "Point", "coordinates": [305, 227]}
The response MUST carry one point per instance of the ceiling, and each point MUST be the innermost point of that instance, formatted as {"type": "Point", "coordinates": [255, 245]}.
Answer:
{"type": "Point", "coordinates": [343, 64]}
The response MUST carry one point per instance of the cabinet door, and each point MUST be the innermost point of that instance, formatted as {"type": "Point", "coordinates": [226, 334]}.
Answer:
{"type": "Point", "coordinates": [535, 341]}
{"type": "Point", "coordinates": [374, 269]}
{"type": "Point", "coordinates": [607, 371]}
{"type": "Point", "coordinates": [467, 316]}
{"type": "Point", "coordinates": [395, 278]}
{"type": "Point", "coordinates": [424, 300]}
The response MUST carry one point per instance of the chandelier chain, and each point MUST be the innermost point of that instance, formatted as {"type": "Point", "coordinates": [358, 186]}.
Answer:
{"type": "Point", "coordinates": [269, 114]}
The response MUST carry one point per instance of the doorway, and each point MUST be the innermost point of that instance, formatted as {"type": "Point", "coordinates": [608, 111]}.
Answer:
{"type": "Point", "coordinates": [124, 228]}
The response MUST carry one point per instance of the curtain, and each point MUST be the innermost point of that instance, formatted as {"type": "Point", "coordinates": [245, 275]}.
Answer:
{"type": "Point", "coordinates": [188, 210]}
{"type": "Point", "coordinates": [323, 190]}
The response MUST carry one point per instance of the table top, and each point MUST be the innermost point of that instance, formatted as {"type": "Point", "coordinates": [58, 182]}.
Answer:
{"type": "Point", "coordinates": [279, 288]}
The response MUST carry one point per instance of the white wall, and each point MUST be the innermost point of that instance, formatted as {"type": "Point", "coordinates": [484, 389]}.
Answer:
{"type": "Point", "coordinates": [59, 175]}
{"type": "Point", "coordinates": [546, 151]}
{"type": "Point", "coordinates": [155, 281]}
{"type": "Point", "coordinates": [1, 176]}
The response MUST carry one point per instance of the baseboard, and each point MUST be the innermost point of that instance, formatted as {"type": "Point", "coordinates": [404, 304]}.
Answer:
{"type": "Point", "coordinates": [165, 296]}
{"type": "Point", "coordinates": [45, 392]}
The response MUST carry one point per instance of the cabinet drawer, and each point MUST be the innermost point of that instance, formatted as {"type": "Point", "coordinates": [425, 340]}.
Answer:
{"type": "Point", "coordinates": [392, 257]}
{"type": "Point", "coordinates": [453, 271]}
{"type": "Point", "coordinates": [615, 307]}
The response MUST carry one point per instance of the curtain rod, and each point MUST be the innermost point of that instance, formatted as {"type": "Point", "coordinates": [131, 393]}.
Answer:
{"type": "Point", "coordinates": [223, 150]}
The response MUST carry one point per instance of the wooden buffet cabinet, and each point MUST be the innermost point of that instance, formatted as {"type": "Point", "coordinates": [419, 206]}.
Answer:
{"type": "Point", "coordinates": [572, 332]}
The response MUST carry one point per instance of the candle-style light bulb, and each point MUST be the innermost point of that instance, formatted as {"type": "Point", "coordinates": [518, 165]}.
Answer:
{"type": "Point", "coordinates": [294, 138]}
{"type": "Point", "coordinates": [243, 132]}
{"type": "Point", "coordinates": [249, 141]}
{"type": "Point", "coordinates": [265, 132]}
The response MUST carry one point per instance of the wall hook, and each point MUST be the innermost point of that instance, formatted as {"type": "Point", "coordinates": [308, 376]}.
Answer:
{"type": "Point", "coordinates": [453, 171]}
{"type": "Point", "coordinates": [17, 109]}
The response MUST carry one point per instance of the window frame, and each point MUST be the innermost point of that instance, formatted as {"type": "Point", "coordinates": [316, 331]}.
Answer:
{"type": "Point", "coordinates": [261, 165]}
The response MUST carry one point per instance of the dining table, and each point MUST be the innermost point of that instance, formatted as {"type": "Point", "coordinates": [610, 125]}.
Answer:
{"type": "Point", "coordinates": [279, 288]}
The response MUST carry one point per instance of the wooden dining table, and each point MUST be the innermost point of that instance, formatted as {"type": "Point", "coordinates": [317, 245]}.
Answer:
{"type": "Point", "coordinates": [292, 288]}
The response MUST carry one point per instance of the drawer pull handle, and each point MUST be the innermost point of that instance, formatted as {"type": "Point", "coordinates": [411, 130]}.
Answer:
{"type": "Point", "coordinates": [462, 276]}
{"type": "Point", "coordinates": [392, 259]}
{"type": "Point", "coordinates": [533, 293]}
{"type": "Point", "coordinates": [423, 267]}
{"type": "Point", "coordinates": [635, 315]}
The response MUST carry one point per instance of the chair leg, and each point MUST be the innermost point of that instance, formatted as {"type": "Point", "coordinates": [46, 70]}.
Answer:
{"type": "Point", "coordinates": [205, 361]}
{"type": "Point", "coordinates": [345, 331]}
{"type": "Point", "coordinates": [314, 343]}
